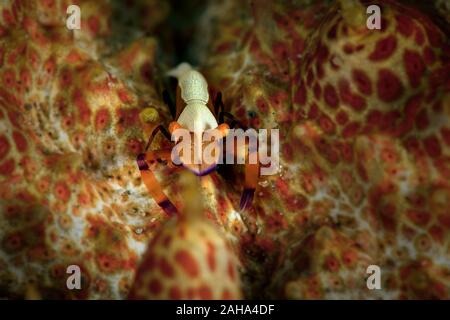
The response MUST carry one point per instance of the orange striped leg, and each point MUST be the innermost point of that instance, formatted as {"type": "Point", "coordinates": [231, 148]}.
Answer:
{"type": "Point", "coordinates": [251, 177]}
{"type": "Point", "coordinates": [150, 181]}
{"type": "Point", "coordinates": [251, 181]}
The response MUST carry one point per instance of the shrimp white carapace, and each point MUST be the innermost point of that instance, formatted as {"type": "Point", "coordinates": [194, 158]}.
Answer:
{"type": "Point", "coordinates": [196, 116]}
{"type": "Point", "coordinates": [195, 112]}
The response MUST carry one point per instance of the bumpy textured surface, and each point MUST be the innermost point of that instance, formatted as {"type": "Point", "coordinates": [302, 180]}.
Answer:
{"type": "Point", "coordinates": [364, 119]}
{"type": "Point", "coordinates": [187, 259]}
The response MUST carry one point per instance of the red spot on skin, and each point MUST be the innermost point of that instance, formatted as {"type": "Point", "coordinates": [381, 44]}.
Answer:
{"type": "Point", "coordinates": [254, 45]}
{"type": "Point", "coordinates": [432, 146]}
{"type": "Point", "coordinates": [362, 82]}
{"type": "Point", "coordinates": [187, 263]}
{"type": "Point", "coordinates": [313, 111]}
{"type": "Point", "coordinates": [261, 104]}
{"type": "Point", "coordinates": [322, 53]}
{"type": "Point", "coordinates": [389, 86]}
{"type": "Point", "coordinates": [25, 76]}
{"type": "Point", "coordinates": [43, 185]}
{"type": "Point", "coordinates": [348, 48]}
{"type": "Point", "coordinates": [226, 295]}
{"type": "Point", "coordinates": [280, 50]}
{"type": "Point", "coordinates": [13, 242]}
{"type": "Point", "coordinates": [342, 118]}
{"type": "Point", "coordinates": [437, 233]}
{"type": "Point", "coordinates": [331, 97]}
{"type": "Point", "coordinates": [211, 256]}
{"type": "Point", "coordinates": [300, 96]}
{"type": "Point", "coordinates": [8, 18]}
{"type": "Point", "coordinates": [166, 268]}
{"type": "Point", "coordinates": [204, 292]}
{"type": "Point", "coordinates": [231, 270]}
{"type": "Point", "coordinates": [276, 221]}
{"type": "Point", "coordinates": [124, 96]}
{"type": "Point", "coordinates": [298, 46]}
{"type": "Point", "coordinates": [355, 101]}
{"type": "Point", "coordinates": [175, 293]}
{"type": "Point", "coordinates": [155, 287]}
{"type": "Point", "coordinates": [420, 218]}
{"type": "Point", "coordinates": [414, 66]}
{"type": "Point", "coordinates": [346, 152]}
{"type": "Point", "coordinates": [62, 191]}
{"type": "Point", "coordinates": [438, 77]}
{"type": "Point", "coordinates": [33, 58]}
{"type": "Point", "coordinates": [444, 219]}
{"type": "Point", "coordinates": [404, 25]}
{"type": "Point", "coordinates": [4, 147]}
{"type": "Point", "coordinates": [387, 215]}
{"type": "Point", "coordinates": [21, 143]}
{"type": "Point", "coordinates": [9, 78]}
{"type": "Point", "coordinates": [350, 130]}
{"type": "Point", "coordinates": [240, 113]}
{"type": "Point", "coordinates": [102, 119]}
{"type": "Point", "coordinates": [294, 203]}
{"type": "Point", "coordinates": [326, 124]}
{"type": "Point", "coordinates": [384, 48]}
{"type": "Point", "coordinates": [107, 263]}
{"type": "Point", "coordinates": [93, 24]}
{"type": "Point", "coordinates": [84, 112]}
{"type": "Point", "coordinates": [12, 58]}
{"type": "Point", "coordinates": [48, 3]}
{"type": "Point", "coordinates": [412, 145]}
{"type": "Point", "coordinates": [420, 37]}
{"type": "Point", "coordinates": [74, 57]}
{"type": "Point", "coordinates": [224, 47]}
{"type": "Point", "coordinates": [68, 122]}
{"type": "Point", "coordinates": [282, 186]}
{"type": "Point", "coordinates": [428, 55]}
{"type": "Point", "coordinates": [7, 167]}
{"type": "Point", "coordinates": [66, 78]}
{"type": "Point", "coordinates": [332, 264]}
{"type": "Point", "coordinates": [50, 66]}
{"type": "Point", "coordinates": [127, 118]}
{"type": "Point", "coordinates": [135, 146]}
{"type": "Point", "coordinates": [412, 107]}
{"type": "Point", "coordinates": [434, 36]}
